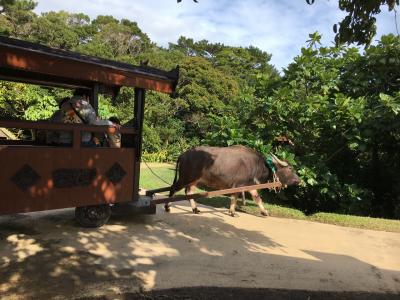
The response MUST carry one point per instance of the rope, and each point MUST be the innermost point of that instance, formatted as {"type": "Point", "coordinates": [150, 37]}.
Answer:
{"type": "Point", "coordinates": [155, 174]}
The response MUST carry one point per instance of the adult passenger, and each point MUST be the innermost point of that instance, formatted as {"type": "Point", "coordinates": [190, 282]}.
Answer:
{"type": "Point", "coordinates": [78, 110]}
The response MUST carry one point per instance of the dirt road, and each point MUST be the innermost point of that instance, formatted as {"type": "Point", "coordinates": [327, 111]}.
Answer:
{"type": "Point", "coordinates": [181, 255]}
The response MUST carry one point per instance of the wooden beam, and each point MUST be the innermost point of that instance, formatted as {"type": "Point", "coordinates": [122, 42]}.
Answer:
{"type": "Point", "coordinates": [40, 63]}
{"type": "Point", "coordinates": [268, 185]}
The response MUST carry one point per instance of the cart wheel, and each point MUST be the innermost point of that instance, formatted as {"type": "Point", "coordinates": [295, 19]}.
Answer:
{"type": "Point", "coordinates": [92, 216]}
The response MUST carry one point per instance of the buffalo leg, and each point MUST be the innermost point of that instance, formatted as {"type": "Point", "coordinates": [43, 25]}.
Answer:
{"type": "Point", "coordinates": [189, 190]}
{"type": "Point", "coordinates": [257, 199]}
{"type": "Point", "coordinates": [176, 186]}
{"type": "Point", "coordinates": [233, 205]}
{"type": "Point", "coordinates": [244, 198]}
{"type": "Point", "coordinates": [167, 206]}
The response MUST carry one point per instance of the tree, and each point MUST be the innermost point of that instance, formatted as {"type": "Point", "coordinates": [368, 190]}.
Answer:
{"type": "Point", "coordinates": [244, 63]}
{"type": "Point", "coordinates": [203, 91]}
{"type": "Point", "coordinates": [112, 38]}
{"type": "Point", "coordinates": [24, 101]}
{"type": "Point", "coordinates": [16, 17]}
{"type": "Point", "coordinates": [342, 110]}
{"type": "Point", "coordinates": [359, 26]}
{"type": "Point", "coordinates": [61, 29]}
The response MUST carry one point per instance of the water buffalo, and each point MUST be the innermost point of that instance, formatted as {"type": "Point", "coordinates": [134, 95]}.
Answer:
{"type": "Point", "coordinates": [217, 168]}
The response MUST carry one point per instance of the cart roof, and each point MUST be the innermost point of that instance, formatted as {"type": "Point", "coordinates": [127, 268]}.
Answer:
{"type": "Point", "coordinates": [34, 63]}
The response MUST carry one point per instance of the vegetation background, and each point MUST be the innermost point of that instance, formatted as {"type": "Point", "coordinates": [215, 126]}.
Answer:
{"type": "Point", "coordinates": [340, 105]}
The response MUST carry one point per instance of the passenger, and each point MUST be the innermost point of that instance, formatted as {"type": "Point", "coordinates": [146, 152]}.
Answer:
{"type": "Point", "coordinates": [112, 140]}
{"type": "Point", "coordinates": [53, 137]}
{"type": "Point", "coordinates": [79, 110]}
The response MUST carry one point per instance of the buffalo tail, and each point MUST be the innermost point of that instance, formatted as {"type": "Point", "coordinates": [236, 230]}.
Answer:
{"type": "Point", "coordinates": [172, 190]}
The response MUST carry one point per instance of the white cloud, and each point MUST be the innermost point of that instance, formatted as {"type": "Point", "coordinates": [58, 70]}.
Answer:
{"type": "Point", "coordinates": [278, 27]}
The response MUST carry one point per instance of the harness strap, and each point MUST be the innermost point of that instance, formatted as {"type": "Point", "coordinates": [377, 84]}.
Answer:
{"type": "Point", "coordinates": [270, 164]}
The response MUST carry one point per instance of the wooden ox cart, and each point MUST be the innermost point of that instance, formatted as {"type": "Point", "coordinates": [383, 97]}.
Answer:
{"type": "Point", "coordinates": [35, 176]}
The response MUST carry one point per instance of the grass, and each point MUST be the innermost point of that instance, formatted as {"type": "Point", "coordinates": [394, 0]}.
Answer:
{"type": "Point", "coordinates": [357, 222]}
{"type": "Point", "coordinates": [149, 181]}
{"type": "Point", "coordinates": [167, 172]}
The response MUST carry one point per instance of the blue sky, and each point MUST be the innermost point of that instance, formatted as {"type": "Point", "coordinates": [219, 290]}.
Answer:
{"type": "Point", "coordinates": [280, 27]}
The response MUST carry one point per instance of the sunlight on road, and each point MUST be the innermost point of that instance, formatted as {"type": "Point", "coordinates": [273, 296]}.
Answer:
{"type": "Point", "coordinates": [182, 249]}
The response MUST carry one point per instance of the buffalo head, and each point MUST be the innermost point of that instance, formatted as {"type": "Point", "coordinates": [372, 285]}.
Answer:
{"type": "Point", "coordinates": [286, 174]}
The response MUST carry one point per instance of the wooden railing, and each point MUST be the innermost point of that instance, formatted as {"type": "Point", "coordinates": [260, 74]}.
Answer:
{"type": "Point", "coordinates": [75, 129]}
{"type": "Point", "coordinates": [64, 127]}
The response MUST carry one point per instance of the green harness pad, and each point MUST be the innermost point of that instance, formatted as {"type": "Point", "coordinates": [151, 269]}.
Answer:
{"type": "Point", "coordinates": [270, 164]}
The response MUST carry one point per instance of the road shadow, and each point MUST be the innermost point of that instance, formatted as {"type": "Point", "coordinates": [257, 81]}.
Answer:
{"type": "Point", "coordinates": [234, 293]}
{"type": "Point", "coordinates": [45, 255]}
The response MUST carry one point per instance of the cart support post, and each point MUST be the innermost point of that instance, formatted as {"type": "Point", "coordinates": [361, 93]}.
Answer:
{"type": "Point", "coordinates": [139, 112]}
{"type": "Point", "coordinates": [94, 97]}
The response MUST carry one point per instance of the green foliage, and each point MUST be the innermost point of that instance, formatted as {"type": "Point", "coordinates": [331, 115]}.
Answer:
{"type": "Point", "coordinates": [203, 91]}
{"type": "Point", "coordinates": [61, 29]}
{"type": "Point", "coordinates": [359, 26]}
{"type": "Point", "coordinates": [26, 101]}
{"type": "Point", "coordinates": [228, 131]}
{"type": "Point", "coordinates": [111, 38]}
{"type": "Point", "coordinates": [16, 17]}
{"type": "Point", "coordinates": [341, 109]}
{"type": "Point", "coordinates": [106, 108]}
{"type": "Point", "coordinates": [242, 63]}
{"type": "Point", "coordinates": [156, 157]}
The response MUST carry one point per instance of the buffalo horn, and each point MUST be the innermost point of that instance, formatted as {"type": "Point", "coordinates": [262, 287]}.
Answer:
{"type": "Point", "coordinates": [282, 163]}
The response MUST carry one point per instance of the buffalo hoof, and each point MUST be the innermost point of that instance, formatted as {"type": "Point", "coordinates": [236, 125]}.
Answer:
{"type": "Point", "coordinates": [265, 213]}
{"type": "Point", "coordinates": [196, 210]}
{"type": "Point", "coordinates": [167, 208]}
